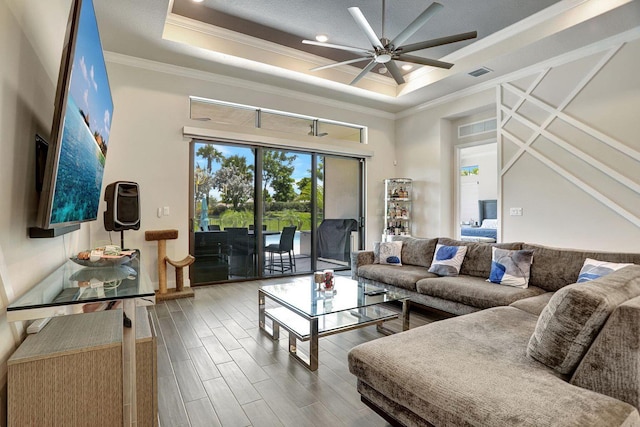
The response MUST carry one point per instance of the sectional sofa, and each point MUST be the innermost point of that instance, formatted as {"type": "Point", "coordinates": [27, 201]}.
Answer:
{"type": "Point", "coordinates": [557, 353]}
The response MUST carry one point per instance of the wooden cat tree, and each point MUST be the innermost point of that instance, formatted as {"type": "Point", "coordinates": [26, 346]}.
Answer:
{"type": "Point", "coordinates": [161, 236]}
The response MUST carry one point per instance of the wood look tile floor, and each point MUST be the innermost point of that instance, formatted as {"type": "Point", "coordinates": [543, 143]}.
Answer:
{"type": "Point", "coordinates": [216, 368]}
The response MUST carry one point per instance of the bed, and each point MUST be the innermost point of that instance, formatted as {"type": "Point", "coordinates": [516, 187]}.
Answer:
{"type": "Point", "coordinates": [487, 228]}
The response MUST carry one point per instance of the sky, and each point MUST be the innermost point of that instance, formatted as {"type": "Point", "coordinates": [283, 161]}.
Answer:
{"type": "Point", "coordinates": [89, 85]}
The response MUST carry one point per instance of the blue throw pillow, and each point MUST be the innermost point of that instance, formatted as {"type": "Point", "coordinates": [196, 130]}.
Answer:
{"type": "Point", "coordinates": [447, 260]}
{"type": "Point", "coordinates": [510, 268]}
{"type": "Point", "coordinates": [593, 269]}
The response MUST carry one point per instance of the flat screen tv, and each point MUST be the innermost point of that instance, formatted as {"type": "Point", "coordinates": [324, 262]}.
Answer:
{"type": "Point", "coordinates": [72, 180]}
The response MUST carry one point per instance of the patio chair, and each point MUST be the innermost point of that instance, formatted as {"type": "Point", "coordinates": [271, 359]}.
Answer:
{"type": "Point", "coordinates": [285, 246]}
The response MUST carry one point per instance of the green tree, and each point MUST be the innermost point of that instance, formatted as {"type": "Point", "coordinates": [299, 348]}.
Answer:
{"type": "Point", "coordinates": [305, 193]}
{"type": "Point", "coordinates": [240, 165]}
{"type": "Point", "coordinates": [234, 180]}
{"type": "Point", "coordinates": [210, 154]}
{"type": "Point", "coordinates": [277, 168]}
{"type": "Point", "coordinates": [203, 183]}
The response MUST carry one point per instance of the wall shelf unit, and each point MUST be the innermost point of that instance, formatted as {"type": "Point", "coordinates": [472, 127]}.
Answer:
{"type": "Point", "coordinates": [397, 207]}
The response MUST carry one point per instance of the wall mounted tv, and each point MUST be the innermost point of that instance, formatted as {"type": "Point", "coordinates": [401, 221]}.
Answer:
{"type": "Point", "coordinates": [72, 180]}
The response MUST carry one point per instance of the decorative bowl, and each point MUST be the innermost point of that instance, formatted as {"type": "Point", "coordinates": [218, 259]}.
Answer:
{"type": "Point", "coordinates": [109, 261]}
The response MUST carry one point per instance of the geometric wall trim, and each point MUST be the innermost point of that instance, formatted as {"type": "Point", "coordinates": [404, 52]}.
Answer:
{"type": "Point", "coordinates": [523, 131]}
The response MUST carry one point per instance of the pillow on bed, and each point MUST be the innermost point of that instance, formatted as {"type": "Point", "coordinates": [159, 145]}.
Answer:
{"type": "Point", "coordinates": [489, 223]}
{"type": "Point", "coordinates": [387, 253]}
{"type": "Point", "coordinates": [510, 268]}
{"type": "Point", "coordinates": [592, 269]}
{"type": "Point", "coordinates": [447, 260]}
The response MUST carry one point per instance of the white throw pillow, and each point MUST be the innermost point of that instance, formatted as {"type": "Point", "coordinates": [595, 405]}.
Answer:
{"type": "Point", "coordinates": [510, 268]}
{"type": "Point", "coordinates": [593, 269]}
{"type": "Point", "coordinates": [447, 260]}
{"type": "Point", "coordinates": [387, 253]}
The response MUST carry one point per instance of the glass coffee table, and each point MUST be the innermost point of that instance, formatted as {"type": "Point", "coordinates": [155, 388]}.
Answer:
{"type": "Point", "coordinates": [308, 313]}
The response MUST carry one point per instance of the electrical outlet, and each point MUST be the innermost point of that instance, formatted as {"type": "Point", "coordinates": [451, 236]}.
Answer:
{"type": "Point", "coordinates": [165, 211]}
{"type": "Point", "coordinates": [515, 211]}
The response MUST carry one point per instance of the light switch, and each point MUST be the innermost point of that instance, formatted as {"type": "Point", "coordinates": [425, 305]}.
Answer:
{"type": "Point", "coordinates": [159, 212]}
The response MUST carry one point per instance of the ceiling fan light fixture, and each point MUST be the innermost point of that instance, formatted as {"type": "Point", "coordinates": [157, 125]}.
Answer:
{"type": "Point", "coordinates": [383, 58]}
{"type": "Point", "coordinates": [382, 70]}
{"type": "Point", "coordinates": [322, 38]}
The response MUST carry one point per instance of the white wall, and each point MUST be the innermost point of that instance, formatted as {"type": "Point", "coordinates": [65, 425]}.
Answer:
{"type": "Point", "coordinates": [150, 110]}
{"type": "Point", "coordinates": [341, 190]}
{"type": "Point", "coordinates": [31, 39]}
{"type": "Point", "coordinates": [578, 182]}
{"type": "Point", "coordinates": [425, 153]}
{"type": "Point", "coordinates": [584, 196]}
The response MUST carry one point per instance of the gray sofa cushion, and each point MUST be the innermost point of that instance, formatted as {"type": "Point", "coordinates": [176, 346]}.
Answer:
{"type": "Point", "coordinates": [554, 268]}
{"type": "Point", "coordinates": [473, 370]}
{"type": "Point", "coordinates": [574, 316]}
{"type": "Point", "coordinates": [474, 291]}
{"type": "Point", "coordinates": [404, 277]}
{"type": "Point", "coordinates": [417, 251]}
{"type": "Point", "coordinates": [477, 261]}
{"type": "Point", "coordinates": [533, 305]}
{"type": "Point", "coordinates": [612, 364]}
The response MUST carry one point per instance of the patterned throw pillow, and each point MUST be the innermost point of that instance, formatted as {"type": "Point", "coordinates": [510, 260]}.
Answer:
{"type": "Point", "coordinates": [387, 253]}
{"type": "Point", "coordinates": [510, 268]}
{"type": "Point", "coordinates": [447, 260]}
{"type": "Point", "coordinates": [592, 269]}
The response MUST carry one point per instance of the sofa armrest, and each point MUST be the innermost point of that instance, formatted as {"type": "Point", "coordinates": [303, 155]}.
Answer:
{"type": "Point", "coordinates": [360, 258]}
{"type": "Point", "coordinates": [611, 365]}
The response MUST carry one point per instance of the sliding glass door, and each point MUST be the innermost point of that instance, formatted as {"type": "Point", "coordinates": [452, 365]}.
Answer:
{"type": "Point", "coordinates": [223, 237]}
{"type": "Point", "coordinates": [262, 212]}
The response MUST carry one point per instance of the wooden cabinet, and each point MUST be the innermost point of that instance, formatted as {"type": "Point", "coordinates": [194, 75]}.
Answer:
{"type": "Point", "coordinates": [70, 373]}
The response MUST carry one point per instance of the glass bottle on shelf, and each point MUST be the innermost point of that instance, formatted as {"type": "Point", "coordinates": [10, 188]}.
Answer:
{"type": "Point", "coordinates": [397, 207]}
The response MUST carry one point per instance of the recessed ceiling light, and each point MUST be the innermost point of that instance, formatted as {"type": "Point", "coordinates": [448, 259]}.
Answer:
{"type": "Point", "coordinates": [197, 1]}
{"type": "Point", "coordinates": [322, 38]}
{"type": "Point", "coordinates": [407, 67]}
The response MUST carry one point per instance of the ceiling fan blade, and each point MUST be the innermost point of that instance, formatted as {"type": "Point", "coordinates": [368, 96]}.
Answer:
{"type": "Point", "coordinates": [337, 46]}
{"type": "Point", "coordinates": [416, 24]}
{"type": "Point", "coordinates": [395, 72]}
{"type": "Point", "coordinates": [351, 61]}
{"type": "Point", "coordinates": [423, 61]}
{"type": "Point", "coordinates": [437, 42]}
{"type": "Point", "coordinates": [364, 72]}
{"type": "Point", "coordinates": [365, 27]}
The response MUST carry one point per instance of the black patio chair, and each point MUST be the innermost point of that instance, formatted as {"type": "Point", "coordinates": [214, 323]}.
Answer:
{"type": "Point", "coordinates": [285, 246]}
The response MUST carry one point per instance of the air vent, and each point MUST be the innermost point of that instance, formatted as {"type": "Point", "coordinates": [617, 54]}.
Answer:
{"type": "Point", "coordinates": [480, 71]}
{"type": "Point", "coordinates": [477, 128]}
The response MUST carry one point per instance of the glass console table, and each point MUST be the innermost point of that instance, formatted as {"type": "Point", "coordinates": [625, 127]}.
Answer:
{"type": "Point", "coordinates": [308, 313]}
{"type": "Point", "coordinates": [74, 289]}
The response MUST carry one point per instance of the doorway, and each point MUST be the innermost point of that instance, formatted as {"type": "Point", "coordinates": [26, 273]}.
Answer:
{"type": "Point", "coordinates": [477, 190]}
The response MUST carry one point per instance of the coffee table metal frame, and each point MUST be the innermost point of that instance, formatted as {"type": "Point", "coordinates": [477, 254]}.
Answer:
{"type": "Point", "coordinates": [279, 319]}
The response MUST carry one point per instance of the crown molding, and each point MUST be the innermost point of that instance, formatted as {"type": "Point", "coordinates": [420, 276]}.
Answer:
{"type": "Point", "coordinates": [161, 67]}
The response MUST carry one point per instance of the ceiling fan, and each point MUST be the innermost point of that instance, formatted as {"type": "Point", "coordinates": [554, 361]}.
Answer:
{"type": "Point", "coordinates": [385, 51]}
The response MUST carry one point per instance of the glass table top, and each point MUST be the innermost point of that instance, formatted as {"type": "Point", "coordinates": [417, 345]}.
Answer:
{"type": "Point", "coordinates": [74, 284]}
{"type": "Point", "coordinates": [303, 296]}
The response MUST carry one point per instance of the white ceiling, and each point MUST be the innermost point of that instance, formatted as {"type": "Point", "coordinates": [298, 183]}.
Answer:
{"type": "Point", "coordinates": [260, 41]}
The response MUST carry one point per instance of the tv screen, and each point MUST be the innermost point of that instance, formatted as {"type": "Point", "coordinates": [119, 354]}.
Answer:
{"type": "Point", "coordinates": [81, 125]}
